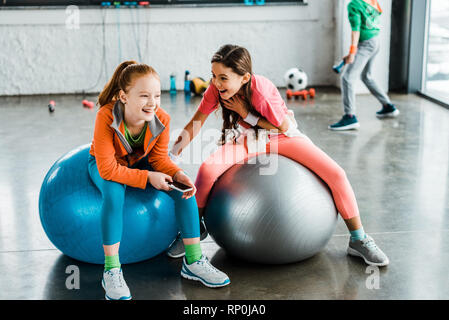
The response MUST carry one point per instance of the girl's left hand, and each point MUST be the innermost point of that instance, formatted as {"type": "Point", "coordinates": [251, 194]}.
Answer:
{"type": "Point", "coordinates": [349, 59]}
{"type": "Point", "coordinates": [236, 104]}
{"type": "Point", "coordinates": [181, 177]}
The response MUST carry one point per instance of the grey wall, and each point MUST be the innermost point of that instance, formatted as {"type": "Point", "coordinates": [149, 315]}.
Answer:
{"type": "Point", "coordinates": [44, 52]}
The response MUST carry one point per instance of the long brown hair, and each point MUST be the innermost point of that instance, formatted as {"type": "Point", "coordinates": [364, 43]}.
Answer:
{"type": "Point", "coordinates": [239, 60]}
{"type": "Point", "coordinates": [122, 79]}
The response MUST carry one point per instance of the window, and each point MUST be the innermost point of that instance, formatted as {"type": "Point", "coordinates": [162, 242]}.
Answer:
{"type": "Point", "coordinates": [436, 68]}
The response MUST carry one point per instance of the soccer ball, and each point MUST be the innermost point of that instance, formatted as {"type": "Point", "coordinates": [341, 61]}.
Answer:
{"type": "Point", "coordinates": [295, 79]}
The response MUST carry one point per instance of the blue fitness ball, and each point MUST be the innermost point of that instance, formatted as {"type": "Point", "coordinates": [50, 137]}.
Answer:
{"type": "Point", "coordinates": [69, 208]}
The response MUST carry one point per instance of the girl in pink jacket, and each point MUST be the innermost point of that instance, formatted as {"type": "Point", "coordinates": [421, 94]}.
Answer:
{"type": "Point", "coordinates": [254, 103]}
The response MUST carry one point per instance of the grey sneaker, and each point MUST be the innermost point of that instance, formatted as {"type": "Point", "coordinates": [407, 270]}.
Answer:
{"type": "Point", "coordinates": [203, 230]}
{"type": "Point", "coordinates": [369, 251]}
{"type": "Point", "coordinates": [202, 270]}
{"type": "Point", "coordinates": [176, 249]}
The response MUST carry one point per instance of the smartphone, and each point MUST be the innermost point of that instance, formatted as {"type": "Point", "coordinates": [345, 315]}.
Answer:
{"type": "Point", "coordinates": [179, 186]}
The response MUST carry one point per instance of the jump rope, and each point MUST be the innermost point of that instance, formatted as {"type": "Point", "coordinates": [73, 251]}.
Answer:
{"type": "Point", "coordinates": [135, 25]}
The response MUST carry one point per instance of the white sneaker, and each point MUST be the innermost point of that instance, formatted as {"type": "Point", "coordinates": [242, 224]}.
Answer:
{"type": "Point", "coordinates": [115, 286]}
{"type": "Point", "coordinates": [203, 271]}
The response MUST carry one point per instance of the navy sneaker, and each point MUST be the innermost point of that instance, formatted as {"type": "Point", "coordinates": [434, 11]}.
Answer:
{"type": "Point", "coordinates": [388, 111]}
{"type": "Point", "coordinates": [348, 122]}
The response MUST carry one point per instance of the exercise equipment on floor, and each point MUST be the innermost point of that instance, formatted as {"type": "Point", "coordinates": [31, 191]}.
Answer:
{"type": "Point", "coordinates": [295, 79]}
{"type": "Point", "coordinates": [302, 93]}
{"type": "Point", "coordinates": [272, 211]}
{"type": "Point", "coordinates": [51, 106]}
{"type": "Point", "coordinates": [296, 82]}
{"type": "Point", "coordinates": [198, 85]}
{"type": "Point", "coordinates": [88, 104]}
{"type": "Point", "coordinates": [69, 208]}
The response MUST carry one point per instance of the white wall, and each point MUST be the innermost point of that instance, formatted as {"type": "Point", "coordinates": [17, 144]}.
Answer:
{"type": "Point", "coordinates": [40, 55]}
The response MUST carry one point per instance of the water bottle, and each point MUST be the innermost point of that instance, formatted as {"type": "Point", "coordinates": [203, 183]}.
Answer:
{"type": "Point", "coordinates": [172, 83]}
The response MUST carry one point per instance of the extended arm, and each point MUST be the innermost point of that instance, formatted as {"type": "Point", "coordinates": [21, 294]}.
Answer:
{"type": "Point", "coordinates": [190, 131]}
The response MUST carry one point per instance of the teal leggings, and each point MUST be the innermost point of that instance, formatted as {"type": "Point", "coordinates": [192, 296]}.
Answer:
{"type": "Point", "coordinates": [113, 195]}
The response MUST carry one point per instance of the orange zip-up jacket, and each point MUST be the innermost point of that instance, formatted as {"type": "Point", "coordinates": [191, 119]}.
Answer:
{"type": "Point", "coordinates": [114, 155]}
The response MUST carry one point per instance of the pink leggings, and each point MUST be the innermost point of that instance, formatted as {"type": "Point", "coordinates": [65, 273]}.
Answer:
{"type": "Point", "coordinates": [299, 149]}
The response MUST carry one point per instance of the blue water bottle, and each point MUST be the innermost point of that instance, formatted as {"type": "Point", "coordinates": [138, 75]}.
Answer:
{"type": "Point", "coordinates": [337, 68]}
{"type": "Point", "coordinates": [187, 82]}
{"type": "Point", "coordinates": [172, 83]}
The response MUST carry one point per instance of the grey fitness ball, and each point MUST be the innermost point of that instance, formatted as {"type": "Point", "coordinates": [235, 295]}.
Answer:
{"type": "Point", "coordinates": [270, 210]}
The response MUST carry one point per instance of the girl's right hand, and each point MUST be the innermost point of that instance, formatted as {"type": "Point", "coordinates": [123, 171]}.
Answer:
{"type": "Point", "coordinates": [159, 180]}
{"type": "Point", "coordinates": [237, 105]}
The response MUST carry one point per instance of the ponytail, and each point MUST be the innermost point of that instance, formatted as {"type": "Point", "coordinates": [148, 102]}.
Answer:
{"type": "Point", "coordinates": [122, 79]}
{"type": "Point", "coordinates": [112, 88]}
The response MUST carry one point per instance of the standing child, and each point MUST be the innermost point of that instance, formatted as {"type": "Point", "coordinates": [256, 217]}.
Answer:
{"type": "Point", "coordinates": [132, 130]}
{"type": "Point", "coordinates": [364, 17]}
{"type": "Point", "coordinates": [254, 102]}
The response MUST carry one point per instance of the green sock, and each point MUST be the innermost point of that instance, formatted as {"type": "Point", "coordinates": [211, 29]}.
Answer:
{"type": "Point", "coordinates": [193, 252]}
{"type": "Point", "coordinates": [111, 262]}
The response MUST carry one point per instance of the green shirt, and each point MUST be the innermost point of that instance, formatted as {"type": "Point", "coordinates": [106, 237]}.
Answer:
{"type": "Point", "coordinates": [364, 18]}
{"type": "Point", "coordinates": [138, 141]}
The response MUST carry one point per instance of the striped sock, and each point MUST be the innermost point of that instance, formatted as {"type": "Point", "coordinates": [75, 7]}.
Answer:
{"type": "Point", "coordinates": [358, 234]}
{"type": "Point", "coordinates": [193, 252]}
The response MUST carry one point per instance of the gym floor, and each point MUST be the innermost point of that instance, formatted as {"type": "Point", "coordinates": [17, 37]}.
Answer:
{"type": "Point", "coordinates": [397, 167]}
